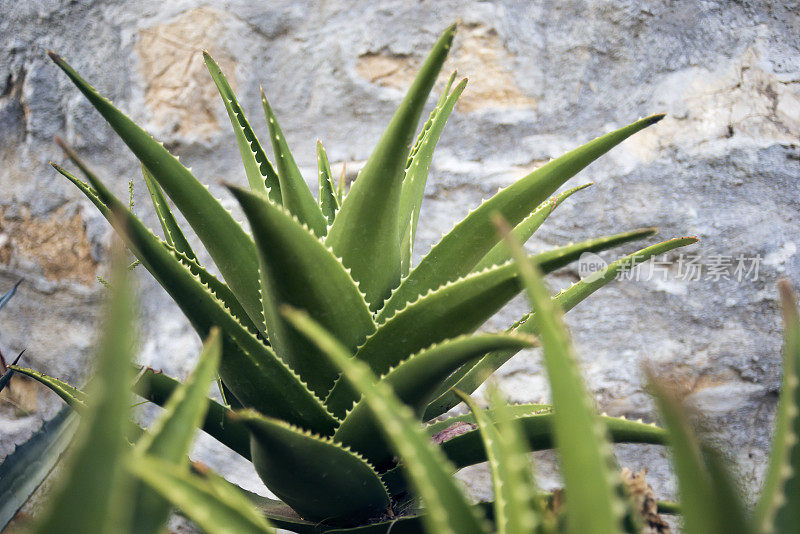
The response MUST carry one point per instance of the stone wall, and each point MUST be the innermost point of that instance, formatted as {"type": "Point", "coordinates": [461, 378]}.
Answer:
{"type": "Point", "coordinates": [544, 77]}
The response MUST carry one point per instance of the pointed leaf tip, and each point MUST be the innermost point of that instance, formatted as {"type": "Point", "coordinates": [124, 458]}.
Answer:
{"type": "Point", "coordinates": [317, 477]}
{"type": "Point", "coordinates": [365, 232]}
{"type": "Point", "coordinates": [16, 360]}
{"type": "Point", "coordinates": [457, 253]}
{"type": "Point", "coordinates": [297, 269]}
{"type": "Point", "coordinates": [295, 193]}
{"type": "Point", "coordinates": [234, 254]}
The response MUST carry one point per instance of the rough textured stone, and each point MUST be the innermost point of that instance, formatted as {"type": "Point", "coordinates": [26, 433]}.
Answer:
{"type": "Point", "coordinates": [57, 246]}
{"type": "Point", "coordinates": [478, 50]}
{"type": "Point", "coordinates": [544, 77]}
{"type": "Point", "coordinates": [177, 93]}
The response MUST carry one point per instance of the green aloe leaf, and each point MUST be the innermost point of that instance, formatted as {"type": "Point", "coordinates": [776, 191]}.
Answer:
{"type": "Point", "coordinates": [320, 479]}
{"type": "Point", "coordinates": [453, 310]}
{"type": "Point", "coordinates": [521, 410]}
{"type": "Point", "coordinates": [328, 202]}
{"type": "Point", "coordinates": [85, 188]}
{"type": "Point", "coordinates": [277, 513]}
{"type": "Point", "coordinates": [469, 377]}
{"type": "Point", "coordinates": [93, 495]}
{"type": "Point", "coordinates": [536, 423]}
{"type": "Point", "coordinates": [173, 234]}
{"type": "Point", "coordinates": [537, 426]}
{"type": "Point", "coordinates": [417, 173]}
{"type": "Point", "coordinates": [365, 232]}
{"type": "Point", "coordinates": [295, 193]}
{"type": "Point", "coordinates": [341, 185]}
{"type": "Point", "coordinates": [157, 387]}
{"type": "Point", "coordinates": [571, 296]}
{"type": "Point", "coordinates": [556, 258]}
{"type": "Point", "coordinates": [413, 381]}
{"type": "Point", "coordinates": [226, 241]}
{"type": "Point", "coordinates": [261, 176]}
{"type": "Point", "coordinates": [172, 434]}
{"type": "Point", "coordinates": [208, 501]}
{"type": "Point", "coordinates": [31, 462]}
{"type": "Point", "coordinates": [525, 230]}
{"type": "Point", "coordinates": [460, 250]}
{"type": "Point", "coordinates": [778, 508]}
{"type": "Point", "coordinates": [586, 460]}
{"type": "Point", "coordinates": [709, 503]}
{"type": "Point", "coordinates": [75, 398]}
{"type": "Point", "coordinates": [429, 123]}
{"type": "Point", "coordinates": [298, 270]}
{"type": "Point", "coordinates": [250, 369]}
{"type": "Point", "coordinates": [516, 507]}
{"type": "Point", "coordinates": [407, 246]}
{"type": "Point", "coordinates": [178, 247]}
{"type": "Point", "coordinates": [447, 509]}
{"type": "Point", "coordinates": [220, 290]}
{"type": "Point", "coordinates": [281, 515]}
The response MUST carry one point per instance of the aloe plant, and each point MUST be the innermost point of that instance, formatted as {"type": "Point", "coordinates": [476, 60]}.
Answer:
{"type": "Point", "coordinates": [314, 434]}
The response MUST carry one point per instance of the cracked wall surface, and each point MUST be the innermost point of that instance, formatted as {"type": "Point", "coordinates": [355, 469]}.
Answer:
{"type": "Point", "coordinates": [544, 77]}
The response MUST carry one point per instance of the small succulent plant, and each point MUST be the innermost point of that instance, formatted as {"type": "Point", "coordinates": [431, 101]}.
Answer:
{"type": "Point", "coordinates": [328, 403]}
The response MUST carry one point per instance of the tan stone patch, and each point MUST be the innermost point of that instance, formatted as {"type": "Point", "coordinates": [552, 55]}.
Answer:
{"type": "Point", "coordinates": [683, 382]}
{"type": "Point", "coordinates": [478, 54]}
{"type": "Point", "coordinates": [58, 244]}
{"type": "Point", "coordinates": [180, 93]}
{"type": "Point", "coordinates": [388, 70]}
{"type": "Point", "coordinates": [482, 56]}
